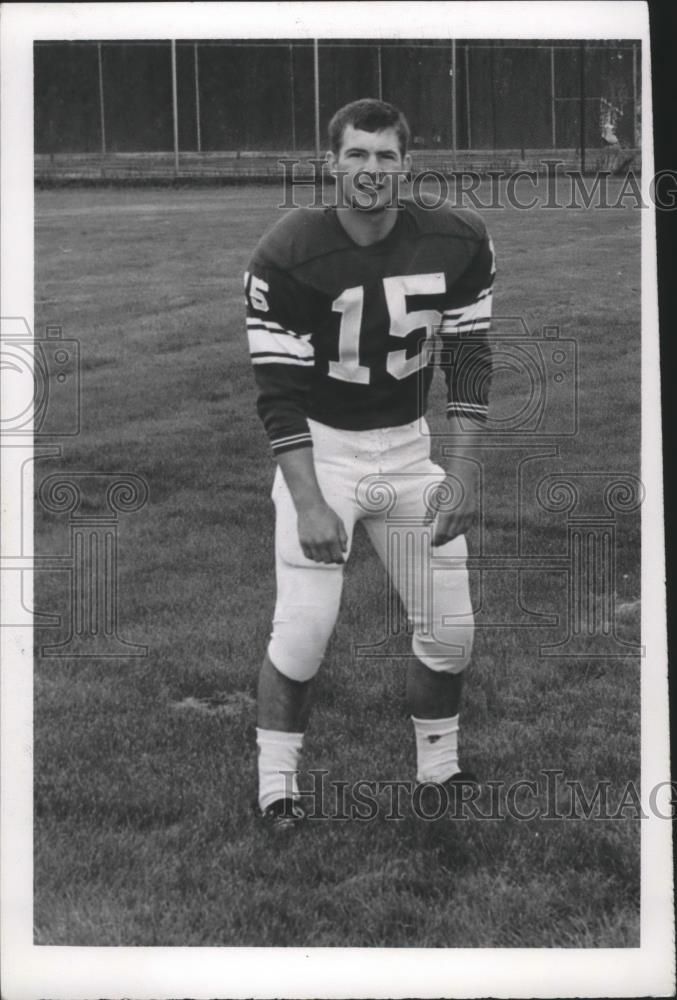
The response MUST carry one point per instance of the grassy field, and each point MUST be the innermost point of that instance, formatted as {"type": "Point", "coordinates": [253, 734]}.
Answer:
{"type": "Point", "coordinates": [145, 768]}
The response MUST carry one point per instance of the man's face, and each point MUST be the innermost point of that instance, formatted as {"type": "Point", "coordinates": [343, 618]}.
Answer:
{"type": "Point", "coordinates": [367, 166]}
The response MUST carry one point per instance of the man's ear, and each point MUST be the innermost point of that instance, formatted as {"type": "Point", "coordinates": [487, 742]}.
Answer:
{"type": "Point", "coordinates": [330, 160]}
{"type": "Point", "coordinates": [406, 160]}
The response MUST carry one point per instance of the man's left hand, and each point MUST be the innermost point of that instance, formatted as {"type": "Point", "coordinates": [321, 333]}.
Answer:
{"type": "Point", "coordinates": [448, 525]}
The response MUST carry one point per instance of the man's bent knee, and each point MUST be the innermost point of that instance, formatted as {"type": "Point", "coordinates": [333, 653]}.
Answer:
{"type": "Point", "coordinates": [299, 640]}
{"type": "Point", "coordinates": [450, 654]}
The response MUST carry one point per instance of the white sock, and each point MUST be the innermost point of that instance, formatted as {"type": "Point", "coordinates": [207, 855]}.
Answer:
{"type": "Point", "coordinates": [436, 748]}
{"type": "Point", "coordinates": [278, 752]}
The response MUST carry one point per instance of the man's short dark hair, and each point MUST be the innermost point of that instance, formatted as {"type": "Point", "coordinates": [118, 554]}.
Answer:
{"type": "Point", "coordinates": [369, 115]}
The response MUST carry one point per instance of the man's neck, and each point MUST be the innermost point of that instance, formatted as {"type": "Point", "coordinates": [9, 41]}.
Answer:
{"type": "Point", "coordinates": [365, 228]}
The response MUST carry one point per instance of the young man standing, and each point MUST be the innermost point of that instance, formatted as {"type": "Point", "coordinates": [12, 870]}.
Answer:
{"type": "Point", "coordinates": [342, 304]}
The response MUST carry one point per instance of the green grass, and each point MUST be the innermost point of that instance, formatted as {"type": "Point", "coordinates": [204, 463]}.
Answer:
{"type": "Point", "coordinates": [145, 769]}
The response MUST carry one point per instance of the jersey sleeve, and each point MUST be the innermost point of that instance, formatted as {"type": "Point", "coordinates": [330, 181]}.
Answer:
{"type": "Point", "coordinates": [282, 355]}
{"type": "Point", "coordinates": [464, 332]}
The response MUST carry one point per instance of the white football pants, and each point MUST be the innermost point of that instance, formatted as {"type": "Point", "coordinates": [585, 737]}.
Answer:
{"type": "Point", "coordinates": [385, 479]}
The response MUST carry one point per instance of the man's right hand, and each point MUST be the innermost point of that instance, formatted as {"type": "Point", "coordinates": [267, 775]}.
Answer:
{"type": "Point", "coordinates": [322, 534]}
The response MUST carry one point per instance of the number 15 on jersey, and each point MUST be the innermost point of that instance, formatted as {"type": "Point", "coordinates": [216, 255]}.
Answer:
{"type": "Point", "coordinates": [350, 305]}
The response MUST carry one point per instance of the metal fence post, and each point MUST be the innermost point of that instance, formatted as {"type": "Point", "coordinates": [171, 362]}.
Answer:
{"type": "Point", "coordinates": [492, 84]}
{"type": "Point", "coordinates": [293, 104]}
{"type": "Point", "coordinates": [175, 110]}
{"type": "Point", "coordinates": [102, 117]}
{"type": "Point", "coordinates": [582, 104]}
{"type": "Point", "coordinates": [553, 106]}
{"type": "Point", "coordinates": [452, 73]}
{"type": "Point", "coordinates": [467, 94]}
{"type": "Point", "coordinates": [635, 130]}
{"type": "Point", "coordinates": [197, 99]}
{"type": "Point", "coordinates": [316, 73]}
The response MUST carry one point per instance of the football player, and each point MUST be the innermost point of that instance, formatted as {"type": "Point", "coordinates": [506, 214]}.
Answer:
{"type": "Point", "coordinates": [343, 304]}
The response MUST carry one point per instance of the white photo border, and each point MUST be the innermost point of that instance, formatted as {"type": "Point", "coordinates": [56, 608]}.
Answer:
{"type": "Point", "coordinates": [72, 973]}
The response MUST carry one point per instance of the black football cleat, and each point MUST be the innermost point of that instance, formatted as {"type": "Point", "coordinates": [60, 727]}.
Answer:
{"type": "Point", "coordinates": [433, 800]}
{"type": "Point", "coordinates": [283, 815]}
{"type": "Point", "coordinates": [462, 778]}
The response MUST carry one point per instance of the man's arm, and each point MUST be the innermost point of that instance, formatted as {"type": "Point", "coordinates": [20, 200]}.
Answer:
{"type": "Point", "coordinates": [322, 533]}
{"type": "Point", "coordinates": [467, 370]}
{"type": "Point", "coordinates": [450, 524]}
{"type": "Point", "coordinates": [283, 360]}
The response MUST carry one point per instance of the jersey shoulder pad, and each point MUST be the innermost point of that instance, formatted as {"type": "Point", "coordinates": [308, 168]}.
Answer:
{"type": "Point", "coordinates": [448, 221]}
{"type": "Point", "coordinates": [299, 236]}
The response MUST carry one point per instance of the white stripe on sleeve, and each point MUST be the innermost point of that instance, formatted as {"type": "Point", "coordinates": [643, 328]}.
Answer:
{"type": "Point", "coordinates": [471, 318]}
{"type": "Point", "coordinates": [278, 346]}
{"type": "Point", "coordinates": [291, 440]}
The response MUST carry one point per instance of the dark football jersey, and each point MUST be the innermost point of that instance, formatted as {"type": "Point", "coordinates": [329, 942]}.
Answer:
{"type": "Point", "coordinates": [349, 335]}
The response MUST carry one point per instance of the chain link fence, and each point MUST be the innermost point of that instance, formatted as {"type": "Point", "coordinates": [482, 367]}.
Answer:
{"type": "Point", "coordinates": [227, 106]}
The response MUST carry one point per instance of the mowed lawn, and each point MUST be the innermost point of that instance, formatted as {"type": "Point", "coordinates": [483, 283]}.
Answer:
{"type": "Point", "coordinates": [145, 767]}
